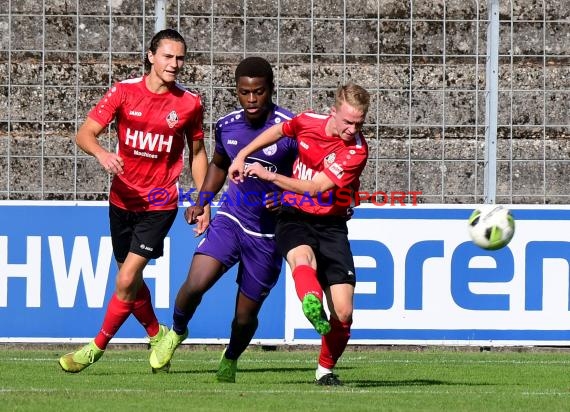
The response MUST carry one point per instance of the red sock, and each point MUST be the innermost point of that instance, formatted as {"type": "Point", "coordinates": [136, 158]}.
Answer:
{"type": "Point", "coordinates": [144, 312]}
{"type": "Point", "coordinates": [334, 343]}
{"type": "Point", "coordinates": [305, 278]}
{"type": "Point", "coordinates": [117, 312]}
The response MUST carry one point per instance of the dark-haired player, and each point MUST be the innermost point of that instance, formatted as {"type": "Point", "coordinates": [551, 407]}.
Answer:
{"type": "Point", "coordinates": [313, 236]}
{"type": "Point", "coordinates": [155, 119]}
{"type": "Point", "coordinates": [243, 228]}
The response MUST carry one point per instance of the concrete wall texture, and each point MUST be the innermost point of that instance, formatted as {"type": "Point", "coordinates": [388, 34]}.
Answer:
{"type": "Point", "coordinates": [423, 62]}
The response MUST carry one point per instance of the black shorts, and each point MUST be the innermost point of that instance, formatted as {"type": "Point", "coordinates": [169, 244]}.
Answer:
{"type": "Point", "coordinates": [141, 233]}
{"type": "Point", "coordinates": [326, 235]}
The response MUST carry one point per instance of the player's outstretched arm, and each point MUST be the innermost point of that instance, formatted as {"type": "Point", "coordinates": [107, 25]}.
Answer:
{"type": "Point", "coordinates": [268, 137]}
{"type": "Point", "coordinates": [86, 139]}
{"type": "Point", "coordinates": [213, 182]}
{"type": "Point", "coordinates": [320, 183]}
{"type": "Point", "coordinates": [199, 171]}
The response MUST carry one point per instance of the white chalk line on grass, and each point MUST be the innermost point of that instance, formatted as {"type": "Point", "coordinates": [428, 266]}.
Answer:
{"type": "Point", "coordinates": [327, 391]}
{"type": "Point", "coordinates": [460, 361]}
{"type": "Point", "coordinates": [56, 359]}
{"type": "Point", "coordinates": [345, 360]}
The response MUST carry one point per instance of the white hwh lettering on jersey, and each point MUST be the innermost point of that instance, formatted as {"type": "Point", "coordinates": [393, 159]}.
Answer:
{"type": "Point", "coordinates": [140, 140]}
{"type": "Point", "coordinates": [303, 172]}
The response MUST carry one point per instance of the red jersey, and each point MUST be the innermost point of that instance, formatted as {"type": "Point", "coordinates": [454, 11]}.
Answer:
{"type": "Point", "coordinates": [341, 161]}
{"type": "Point", "coordinates": [152, 131]}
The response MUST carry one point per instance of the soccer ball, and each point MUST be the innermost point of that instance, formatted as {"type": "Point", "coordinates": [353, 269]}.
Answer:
{"type": "Point", "coordinates": [491, 226]}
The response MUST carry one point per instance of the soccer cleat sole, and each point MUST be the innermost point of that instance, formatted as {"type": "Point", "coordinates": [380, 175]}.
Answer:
{"type": "Point", "coordinates": [314, 312]}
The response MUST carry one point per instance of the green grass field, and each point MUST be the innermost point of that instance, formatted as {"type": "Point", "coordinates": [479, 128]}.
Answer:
{"type": "Point", "coordinates": [426, 379]}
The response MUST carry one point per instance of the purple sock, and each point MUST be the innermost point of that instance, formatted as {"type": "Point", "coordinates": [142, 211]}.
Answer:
{"type": "Point", "coordinates": [180, 321]}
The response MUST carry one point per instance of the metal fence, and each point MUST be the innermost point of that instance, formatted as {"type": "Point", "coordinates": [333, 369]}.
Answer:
{"type": "Point", "coordinates": [424, 62]}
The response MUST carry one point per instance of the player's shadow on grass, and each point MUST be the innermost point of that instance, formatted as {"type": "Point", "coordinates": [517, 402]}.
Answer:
{"type": "Point", "coordinates": [289, 369]}
{"type": "Point", "coordinates": [405, 382]}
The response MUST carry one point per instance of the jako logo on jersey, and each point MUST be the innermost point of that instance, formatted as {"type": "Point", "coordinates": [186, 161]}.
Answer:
{"type": "Point", "coordinates": [233, 142]}
{"type": "Point", "coordinates": [135, 113]}
{"type": "Point", "coordinates": [302, 172]}
{"type": "Point", "coordinates": [148, 141]}
{"type": "Point", "coordinates": [304, 145]}
{"type": "Point", "coordinates": [172, 119]}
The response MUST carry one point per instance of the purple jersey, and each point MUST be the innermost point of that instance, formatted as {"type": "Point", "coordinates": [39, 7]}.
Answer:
{"type": "Point", "coordinates": [244, 203]}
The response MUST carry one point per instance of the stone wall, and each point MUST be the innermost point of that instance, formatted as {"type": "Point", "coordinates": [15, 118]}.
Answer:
{"type": "Point", "coordinates": [56, 61]}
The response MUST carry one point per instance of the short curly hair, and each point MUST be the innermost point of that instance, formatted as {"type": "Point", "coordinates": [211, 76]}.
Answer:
{"type": "Point", "coordinates": [254, 67]}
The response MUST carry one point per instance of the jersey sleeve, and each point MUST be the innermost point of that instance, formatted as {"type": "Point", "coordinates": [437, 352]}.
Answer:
{"type": "Point", "coordinates": [290, 127]}
{"type": "Point", "coordinates": [106, 109]}
{"type": "Point", "coordinates": [293, 147]}
{"type": "Point", "coordinates": [195, 129]}
{"type": "Point", "coordinates": [219, 148]}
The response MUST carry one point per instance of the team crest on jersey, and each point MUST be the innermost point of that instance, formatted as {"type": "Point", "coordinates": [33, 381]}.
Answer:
{"type": "Point", "coordinates": [270, 150]}
{"type": "Point", "coordinates": [329, 160]}
{"type": "Point", "coordinates": [172, 119]}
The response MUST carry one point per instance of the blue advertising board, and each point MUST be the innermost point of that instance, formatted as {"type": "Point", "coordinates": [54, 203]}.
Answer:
{"type": "Point", "coordinates": [420, 280]}
{"type": "Point", "coordinates": [57, 272]}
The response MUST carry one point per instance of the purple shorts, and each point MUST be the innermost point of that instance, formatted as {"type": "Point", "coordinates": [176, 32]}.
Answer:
{"type": "Point", "coordinates": [259, 260]}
